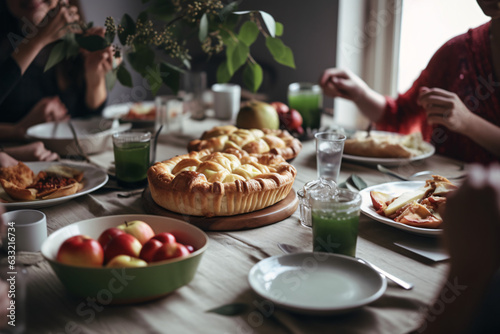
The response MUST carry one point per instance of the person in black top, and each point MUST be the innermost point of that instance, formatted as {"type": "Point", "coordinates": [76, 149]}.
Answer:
{"type": "Point", "coordinates": [28, 95]}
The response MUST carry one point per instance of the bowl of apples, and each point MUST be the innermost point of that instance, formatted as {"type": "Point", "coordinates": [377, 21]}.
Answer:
{"type": "Point", "coordinates": [125, 258]}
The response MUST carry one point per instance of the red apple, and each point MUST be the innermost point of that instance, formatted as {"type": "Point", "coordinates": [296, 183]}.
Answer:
{"type": "Point", "coordinates": [170, 251]}
{"type": "Point", "coordinates": [81, 250]}
{"type": "Point", "coordinates": [125, 261]}
{"type": "Point", "coordinates": [123, 244]}
{"type": "Point", "coordinates": [190, 248]}
{"type": "Point", "coordinates": [109, 234]}
{"type": "Point", "coordinates": [149, 249]}
{"type": "Point", "coordinates": [165, 237]}
{"type": "Point", "coordinates": [280, 107]}
{"type": "Point", "coordinates": [139, 229]}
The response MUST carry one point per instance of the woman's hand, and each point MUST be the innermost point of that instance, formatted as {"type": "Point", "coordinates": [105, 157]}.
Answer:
{"type": "Point", "coordinates": [58, 22]}
{"type": "Point", "coordinates": [48, 109]}
{"type": "Point", "coordinates": [342, 83]}
{"type": "Point", "coordinates": [35, 151]}
{"type": "Point", "coordinates": [98, 63]}
{"type": "Point", "coordinates": [445, 108]}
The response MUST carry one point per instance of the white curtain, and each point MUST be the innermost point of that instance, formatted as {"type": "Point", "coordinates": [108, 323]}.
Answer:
{"type": "Point", "coordinates": [368, 45]}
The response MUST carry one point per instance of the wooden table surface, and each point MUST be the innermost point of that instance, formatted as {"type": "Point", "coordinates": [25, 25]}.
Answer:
{"type": "Point", "coordinates": [222, 275]}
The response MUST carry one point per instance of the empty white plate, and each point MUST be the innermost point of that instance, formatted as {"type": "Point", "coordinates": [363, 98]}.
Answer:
{"type": "Point", "coordinates": [316, 283]}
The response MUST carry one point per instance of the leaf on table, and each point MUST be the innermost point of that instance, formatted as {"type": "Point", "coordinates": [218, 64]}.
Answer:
{"type": "Point", "coordinates": [342, 185]}
{"type": "Point", "coordinates": [230, 309]}
{"type": "Point", "coordinates": [358, 182]}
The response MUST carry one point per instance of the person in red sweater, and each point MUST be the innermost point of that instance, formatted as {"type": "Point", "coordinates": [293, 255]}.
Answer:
{"type": "Point", "coordinates": [454, 103]}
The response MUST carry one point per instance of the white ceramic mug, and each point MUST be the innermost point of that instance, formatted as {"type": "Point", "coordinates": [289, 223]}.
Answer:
{"type": "Point", "coordinates": [23, 230]}
{"type": "Point", "coordinates": [226, 100]}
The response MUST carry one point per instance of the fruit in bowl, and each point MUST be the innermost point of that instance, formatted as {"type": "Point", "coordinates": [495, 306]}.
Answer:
{"type": "Point", "coordinates": [128, 281]}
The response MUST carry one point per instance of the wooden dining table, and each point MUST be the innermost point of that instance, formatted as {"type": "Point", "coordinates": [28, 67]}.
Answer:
{"type": "Point", "coordinates": [222, 276]}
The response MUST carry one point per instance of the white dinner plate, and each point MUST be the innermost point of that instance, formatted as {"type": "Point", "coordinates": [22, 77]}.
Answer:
{"type": "Point", "coordinates": [93, 179]}
{"type": "Point", "coordinates": [394, 189]}
{"type": "Point", "coordinates": [316, 283]}
{"type": "Point", "coordinates": [119, 111]}
{"type": "Point", "coordinates": [428, 152]}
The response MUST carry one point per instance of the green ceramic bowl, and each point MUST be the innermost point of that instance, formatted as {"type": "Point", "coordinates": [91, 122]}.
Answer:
{"type": "Point", "coordinates": [127, 285]}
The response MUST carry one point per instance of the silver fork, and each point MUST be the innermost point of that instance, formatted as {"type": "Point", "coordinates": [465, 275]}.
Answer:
{"type": "Point", "coordinates": [81, 152]}
{"type": "Point", "coordinates": [421, 173]}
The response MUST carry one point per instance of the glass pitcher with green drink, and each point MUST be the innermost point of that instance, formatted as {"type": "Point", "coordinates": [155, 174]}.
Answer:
{"type": "Point", "coordinates": [307, 99]}
{"type": "Point", "coordinates": [335, 221]}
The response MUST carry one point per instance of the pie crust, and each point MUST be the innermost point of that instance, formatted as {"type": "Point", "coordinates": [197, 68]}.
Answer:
{"type": "Point", "coordinates": [226, 183]}
{"type": "Point", "coordinates": [221, 138]}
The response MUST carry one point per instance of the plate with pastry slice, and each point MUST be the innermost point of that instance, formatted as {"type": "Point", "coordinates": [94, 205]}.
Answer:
{"type": "Point", "coordinates": [386, 148]}
{"type": "Point", "coordinates": [43, 184]}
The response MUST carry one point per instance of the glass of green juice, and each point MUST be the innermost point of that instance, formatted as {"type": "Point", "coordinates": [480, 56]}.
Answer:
{"type": "Point", "coordinates": [131, 151]}
{"type": "Point", "coordinates": [307, 99]}
{"type": "Point", "coordinates": [335, 221]}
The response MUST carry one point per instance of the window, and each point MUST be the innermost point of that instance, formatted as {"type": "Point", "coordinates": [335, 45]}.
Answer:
{"type": "Point", "coordinates": [428, 24]}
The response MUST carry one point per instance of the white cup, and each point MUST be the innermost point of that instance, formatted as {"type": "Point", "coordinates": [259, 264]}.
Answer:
{"type": "Point", "coordinates": [226, 100]}
{"type": "Point", "coordinates": [23, 230]}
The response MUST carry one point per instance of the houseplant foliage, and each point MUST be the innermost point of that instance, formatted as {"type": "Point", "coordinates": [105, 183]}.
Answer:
{"type": "Point", "coordinates": [155, 42]}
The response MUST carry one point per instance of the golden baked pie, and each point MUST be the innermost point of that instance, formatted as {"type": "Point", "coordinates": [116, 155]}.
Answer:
{"type": "Point", "coordinates": [385, 145]}
{"type": "Point", "coordinates": [227, 183]}
{"type": "Point", "coordinates": [20, 183]}
{"type": "Point", "coordinates": [221, 138]}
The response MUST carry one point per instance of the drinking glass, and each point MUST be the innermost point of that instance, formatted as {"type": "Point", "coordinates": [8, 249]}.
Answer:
{"type": "Point", "coordinates": [335, 221]}
{"type": "Point", "coordinates": [193, 86]}
{"type": "Point", "coordinates": [307, 98]}
{"type": "Point", "coordinates": [131, 151]}
{"type": "Point", "coordinates": [304, 196]}
{"type": "Point", "coordinates": [329, 149]}
{"type": "Point", "coordinates": [169, 113]}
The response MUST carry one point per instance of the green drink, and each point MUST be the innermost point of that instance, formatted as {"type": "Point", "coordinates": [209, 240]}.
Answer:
{"type": "Point", "coordinates": [131, 158]}
{"type": "Point", "coordinates": [335, 222]}
{"type": "Point", "coordinates": [335, 233]}
{"type": "Point", "coordinates": [307, 98]}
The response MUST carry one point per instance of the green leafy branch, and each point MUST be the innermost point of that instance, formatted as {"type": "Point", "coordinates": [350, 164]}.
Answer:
{"type": "Point", "coordinates": [218, 27]}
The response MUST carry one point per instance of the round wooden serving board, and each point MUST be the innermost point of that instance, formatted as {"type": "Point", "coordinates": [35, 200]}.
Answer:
{"type": "Point", "coordinates": [270, 215]}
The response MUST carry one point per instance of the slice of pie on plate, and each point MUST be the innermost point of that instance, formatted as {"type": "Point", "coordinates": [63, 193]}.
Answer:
{"type": "Point", "coordinates": [21, 184]}
{"type": "Point", "coordinates": [226, 183]}
{"type": "Point", "coordinates": [384, 145]}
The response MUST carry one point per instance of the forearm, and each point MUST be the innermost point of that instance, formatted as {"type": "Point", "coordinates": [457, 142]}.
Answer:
{"type": "Point", "coordinates": [95, 94]}
{"type": "Point", "coordinates": [11, 132]}
{"type": "Point", "coordinates": [484, 133]}
{"type": "Point", "coordinates": [372, 104]}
